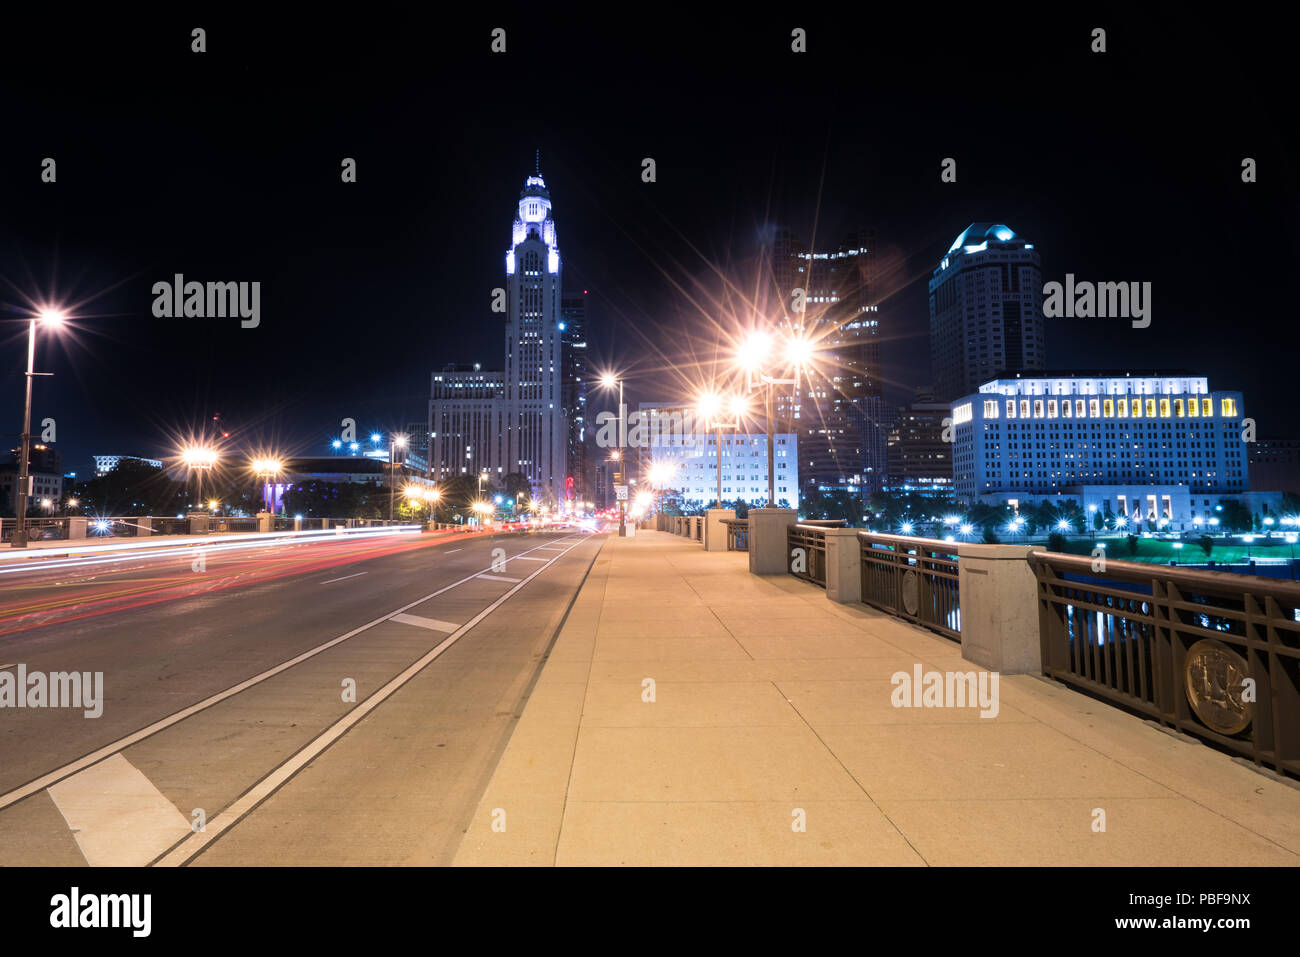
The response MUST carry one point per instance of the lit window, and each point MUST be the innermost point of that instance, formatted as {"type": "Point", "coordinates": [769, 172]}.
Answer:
{"type": "Point", "coordinates": [1024, 408]}
{"type": "Point", "coordinates": [1051, 408]}
{"type": "Point", "coordinates": [1011, 408]}
{"type": "Point", "coordinates": [1164, 408]}
{"type": "Point", "coordinates": [1121, 407]}
{"type": "Point", "coordinates": [1078, 409]}
{"type": "Point", "coordinates": [1193, 408]}
{"type": "Point", "coordinates": [1151, 408]}
{"type": "Point", "coordinates": [1207, 409]}
{"type": "Point", "coordinates": [1094, 408]}
{"type": "Point", "coordinates": [990, 408]}
{"type": "Point", "coordinates": [1038, 408]}
{"type": "Point", "coordinates": [1108, 408]}
{"type": "Point", "coordinates": [1178, 408]}
{"type": "Point", "coordinates": [1229, 407]}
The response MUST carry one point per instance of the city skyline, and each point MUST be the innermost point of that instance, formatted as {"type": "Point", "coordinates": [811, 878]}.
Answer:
{"type": "Point", "coordinates": [418, 296]}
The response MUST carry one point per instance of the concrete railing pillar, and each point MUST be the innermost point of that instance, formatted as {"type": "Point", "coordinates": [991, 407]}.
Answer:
{"type": "Point", "coordinates": [843, 565]}
{"type": "Point", "coordinates": [769, 553]}
{"type": "Point", "coordinates": [265, 522]}
{"type": "Point", "coordinates": [715, 533]}
{"type": "Point", "coordinates": [77, 526]}
{"type": "Point", "coordinates": [143, 526]}
{"type": "Point", "coordinates": [999, 608]}
{"type": "Point", "coordinates": [199, 523]}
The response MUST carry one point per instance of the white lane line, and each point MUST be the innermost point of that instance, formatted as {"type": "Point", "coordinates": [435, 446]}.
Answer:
{"type": "Point", "coordinates": [432, 624]}
{"type": "Point", "coordinates": [526, 558]}
{"type": "Point", "coordinates": [501, 578]}
{"type": "Point", "coordinates": [94, 757]}
{"type": "Point", "coordinates": [117, 815]}
{"type": "Point", "coordinates": [450, 550]}
{"type": "Point", "coordinates": [194, 844]}
{"type": "Point", "coordinates": [343, 579]}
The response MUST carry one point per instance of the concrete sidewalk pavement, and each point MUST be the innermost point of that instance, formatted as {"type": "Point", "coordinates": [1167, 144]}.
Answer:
{"type": "Point", "coordinates": [772, 707]}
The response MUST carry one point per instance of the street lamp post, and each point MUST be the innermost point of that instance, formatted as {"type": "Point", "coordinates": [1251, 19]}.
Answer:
{"type": "Point", "coordinates": [398, 441]}
{"type": "Point", "coordinates": [51, 318]}
{"type": "Point", "coordinates": [609, 381]}
{"type": "Point", "coordinates": [755, 356]}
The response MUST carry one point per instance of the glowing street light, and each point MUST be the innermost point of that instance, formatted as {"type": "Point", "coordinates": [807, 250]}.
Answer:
{"type": "Point", "coordinates": [608, 380]}
{"type": "Point", "coordinates": [53, 318]}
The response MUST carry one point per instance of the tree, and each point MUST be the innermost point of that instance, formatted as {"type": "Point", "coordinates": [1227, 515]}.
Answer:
{"type": "Point", "coordinates": [133, 488]}
{"type": "Point", "coordinates": [1207, 544]}
{"type": "Point", "coordinates": [990, 537]}
{"type": "Point", "coordinates": [1234, 516]}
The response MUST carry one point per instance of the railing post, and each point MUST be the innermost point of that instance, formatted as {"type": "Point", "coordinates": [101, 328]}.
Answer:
{"type": "Point", "coordinates": [768, 537]}
{"type": "Point", "coordinates": [265, 522]}
{"type": "Point", "coordinates": [999, 613]}
{"type": "Point", "coordinates": [715, 533]}
{"type": "Point", "coordinates": [77, 526]}
{"type": "Point", "coordinates": [843, 565]}
{"type": "Point", "coordinates": [143, 526]}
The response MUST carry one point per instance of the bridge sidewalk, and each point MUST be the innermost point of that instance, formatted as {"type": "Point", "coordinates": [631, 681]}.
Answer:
{"type": "Point", "coordinates": [771, 703]}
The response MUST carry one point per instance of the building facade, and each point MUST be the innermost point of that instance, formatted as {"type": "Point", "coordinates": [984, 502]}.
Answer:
{"type": "Point", "coordinates": [920, 461]}
{"type": "Point", "coordinates": [986, 310]}
{"type": "Point", "coordinates": [1161, 446]}
{"type": "Point", "coordinates": [106, 463]}
{"type": "Point", "coordinates": [838, 411]}
{"type": "Point", "coordinates": [1275, 463]}
{"type": "Point", "coordinates": [573, 394]}
{"type": "Point", "coordinates": [514, 421]}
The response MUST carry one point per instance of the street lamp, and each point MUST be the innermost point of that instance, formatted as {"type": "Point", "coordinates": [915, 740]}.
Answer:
{"type": "Point", "coordinates": [756, 357]}
{"type": "Point", "coordinates": [710, 406]}
{"type": "Point", "coordinates": [607, 381]}
{"type": "Point", "coordinates": [266, 469]}
{"type": "Point", "coordinates": [199, 459]}
{"type": "Point", "coordinates": [53, 318]}
{"type": "Point", "coordinates": [398, 442]}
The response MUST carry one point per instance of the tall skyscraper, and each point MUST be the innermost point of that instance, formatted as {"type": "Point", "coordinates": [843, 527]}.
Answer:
{"type": "Point", "coordinates": [838, 414]}
{"type": "Point", "coordinates": [573, 394]}
{"type": "Point", "coordinates": [515, 421]}
{"type": "Point", "coordinates": [986, 310]}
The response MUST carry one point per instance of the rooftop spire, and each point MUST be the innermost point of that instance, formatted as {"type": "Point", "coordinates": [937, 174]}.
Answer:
{"type": "Point", "coordinates": [538, 168]}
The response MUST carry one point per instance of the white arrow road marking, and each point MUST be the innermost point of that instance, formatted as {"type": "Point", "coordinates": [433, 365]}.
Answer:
{"type": "Point", "coordinates": [498, 578]}
{"type": "Point", "coordinates": [433, 624]}
{"type": "Point", "coordinates": [119, 818]}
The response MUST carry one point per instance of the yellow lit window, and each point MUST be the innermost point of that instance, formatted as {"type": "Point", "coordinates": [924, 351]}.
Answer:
{"type": "Point", "coordinates": [1178, 408]}
{"type": "Point", "coordinates": [1108, 408]}
{"type": "Point", "coordinates": [1193, 408]}
{"type": "Point", "coordinates": [1164, 408]}
{"type": "Point", "coordinates": [1137, 408]}
{"type": "Point", "coordinates": [1151, 408]}
{"type": "Point", "coordinates": [1207, 409]}
{"type": "Point", "coordinates": [1051, 408]}
{"type": "Point", "coordinates": [1094, 408]}
{"type": "Point", "coordinates": [1121, 407]}
{"type": "Point", "coordinates": [1229, 407]}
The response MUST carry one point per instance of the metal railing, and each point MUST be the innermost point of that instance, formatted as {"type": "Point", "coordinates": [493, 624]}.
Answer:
{"type": "Point", "coordinates": [914, 578]}
{"type": "Point", "coordinates": [807, 546]}
{"type": "Point", "coordinates": [38, 529]}
{"type": "Point", "coordinates": [737, 534]}
{"type": "Point", "coordinates": [1211, 653]}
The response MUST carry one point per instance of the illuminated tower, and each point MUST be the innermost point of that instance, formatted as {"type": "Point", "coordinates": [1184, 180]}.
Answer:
{"type": "Point", "coordinates": [536, 435]}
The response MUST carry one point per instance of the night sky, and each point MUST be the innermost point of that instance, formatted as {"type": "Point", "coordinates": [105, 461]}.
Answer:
{"type": "Point", "coordinates": [224, 166]}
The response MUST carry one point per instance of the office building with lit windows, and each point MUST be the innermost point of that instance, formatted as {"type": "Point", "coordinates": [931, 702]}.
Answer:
{"type": "Point", "coordinates": [1159, 448]}
{"type": "Point", "coordinates": [838, 409]}
{"type": "Point", "coordinates": [515, 420]}
{"type": "Point", "coordinates": [692, 462]}
{"type": "Point", "coordinates": [986, 310]}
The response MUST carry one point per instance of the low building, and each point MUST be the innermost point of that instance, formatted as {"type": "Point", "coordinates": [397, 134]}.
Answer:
{"type": "Point", "coordinates": [106, 463]}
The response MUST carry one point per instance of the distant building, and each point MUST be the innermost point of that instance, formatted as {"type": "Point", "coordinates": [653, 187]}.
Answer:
{"type": "Point", "coordinates": [341, 469]}
{"type": "Point", "coordinates": [514, 421]}
{"type": "Point", "coordinates": [1275, 463]}
{"type": "Point", "coordinates": [45, 468]}
{"type": "Point", "coordinates": [838, 412]}
{"type": "Point", "coordinates": [106, 463]}
{"type": "Point", "coordinates": [573, 391]}
{"type": "Point", "coordinates": [920, 461]}
{"type": "Point", "coordinates": [1159, 448]}
{"type": "Point", "coordinates": [986, 310]}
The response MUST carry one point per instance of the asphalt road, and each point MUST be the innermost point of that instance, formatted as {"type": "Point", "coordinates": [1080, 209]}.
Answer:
{"type": "Point", "coordinates": [340, 702]}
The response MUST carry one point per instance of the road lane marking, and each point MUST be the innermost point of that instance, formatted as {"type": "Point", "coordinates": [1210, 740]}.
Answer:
{"type": "Point", "coordinates": [450, 550]}
{"type": "Point", "coordinates": [501, 578]}
{"type": "Point", "coordinates": [94, 757]}
{"type": "Point", "coordinates": [526, 558]}
{"type": "Point", "coordinates": [117, 815]}
{"type": "Point", "coordinates": [194, 843]}
{"type": "Point", "coordinates": [432, 624]}
{"type": "Point", "coordinates": [343, 579]}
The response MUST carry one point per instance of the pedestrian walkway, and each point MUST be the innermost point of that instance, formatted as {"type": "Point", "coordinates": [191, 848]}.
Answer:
{"type": "Point", "coordinates": [691, 713]}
